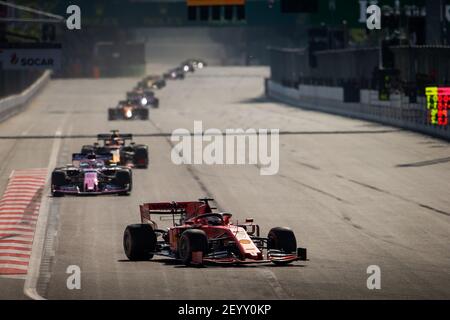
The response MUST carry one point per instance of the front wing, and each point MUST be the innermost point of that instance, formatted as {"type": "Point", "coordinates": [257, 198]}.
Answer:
{"type": "Point", "coordinates": [75, 190]}
{"type": "Point", "coordinates": [272, 256]}
{"type": "Point", "coordinates": [223, 258]}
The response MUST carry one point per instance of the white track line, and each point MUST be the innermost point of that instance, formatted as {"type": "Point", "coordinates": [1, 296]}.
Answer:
{"type": "Point", "coordinates": [39, 237]}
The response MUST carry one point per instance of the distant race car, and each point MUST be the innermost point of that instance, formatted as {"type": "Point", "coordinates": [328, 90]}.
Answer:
{"type": "Point", "coordinates": [145, 97]}
{"type": "Point", "coordinates": [129, 155]}
{"type": "Point", "coordinates": [200, 236]}
{"type": "Point", "coordinates": [89, 174]}
{"type": "Point", "coordinates": [197, 63]}
{"type": "Point", "coordinates": [194, 63]}
{"type": "Point", "coordinates": [187, 66]}
{"type": "Point", "coordinates": [152, 82]}
{"type": "Point", "coordinates": [128, 110]}
{"type": "Point", "coordinates": [176, 73]}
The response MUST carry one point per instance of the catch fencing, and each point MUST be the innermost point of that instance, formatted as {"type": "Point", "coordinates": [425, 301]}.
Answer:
{"type": "Point", "coordinates": [418, 66]}
{"type": "Point", "coordinates": [322, 81]}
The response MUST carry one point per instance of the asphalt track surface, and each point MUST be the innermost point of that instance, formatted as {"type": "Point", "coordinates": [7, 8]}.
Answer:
{"type": "Point", "coordinates": [355, 193]}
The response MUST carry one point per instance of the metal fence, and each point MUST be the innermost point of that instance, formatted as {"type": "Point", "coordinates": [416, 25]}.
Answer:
{"type": "Point", "coordinates": [418, 66]}
{"type": "Point", "coordinates": [423, 65]}
{"type": "Point", "coordinates": [291, 67]}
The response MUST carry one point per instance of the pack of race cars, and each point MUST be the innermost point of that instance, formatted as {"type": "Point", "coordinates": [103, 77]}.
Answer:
{"type": "Point", "coordinates": [198, 235]}
{"type": "Point", "coordinates": [101, 168]}
{"type": "Point", "coordinates": [105, 167]}
{"type": "Point", "coordinates": [141, 98]}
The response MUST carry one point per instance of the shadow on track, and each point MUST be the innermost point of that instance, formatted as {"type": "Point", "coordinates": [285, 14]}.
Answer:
{"type": "Point", "coordinates": [179, 264]}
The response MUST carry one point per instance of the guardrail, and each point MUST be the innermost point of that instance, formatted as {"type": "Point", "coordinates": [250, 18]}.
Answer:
{"type": "Point", "coordinates": [398, 112]}
{"type": "Point", "coordinates": [12, 105]}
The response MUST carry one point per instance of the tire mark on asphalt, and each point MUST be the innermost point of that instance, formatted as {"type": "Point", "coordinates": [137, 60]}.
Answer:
{"type": "Point", "coordinates": [307, 165]}
{"type": "Point", "coordinates": [313, 188]}
{"type": "Point", "coordinates": [423, 163]}
{"type": "Point", "coordinates": [433, 209]}
{"type": "Point", "coordinates": [394, 195]}
{"type": "Point", "coordinates": [191, 170]}
{"type": "Point", "coordinates": [274, 283]}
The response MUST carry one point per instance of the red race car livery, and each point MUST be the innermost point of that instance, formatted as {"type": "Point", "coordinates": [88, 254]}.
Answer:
{"type": "Point", "coordinates": [200, 236]}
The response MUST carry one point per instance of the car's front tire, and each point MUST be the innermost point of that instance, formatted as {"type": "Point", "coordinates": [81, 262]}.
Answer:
{"type": "Point", "coordinates": [141, 156]}
{"type": "Point", "coordinates": [58, 180]}
{"type": "Point", "coordinates": [192, 240]}
{"type": "Point", "coordinates": [283, 239]}
{"type": "Point", "coordinates": [144, 114]}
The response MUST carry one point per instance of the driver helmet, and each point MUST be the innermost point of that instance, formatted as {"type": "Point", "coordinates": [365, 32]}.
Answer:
{"type": "Point", "coordinates": [213, 220]}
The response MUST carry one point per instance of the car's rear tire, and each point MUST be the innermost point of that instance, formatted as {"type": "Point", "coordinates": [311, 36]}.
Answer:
{"type": "Point", "coordinates": [143, 114]}
{"type": "Point", "coordinates": [139, 240]}
{"type": "Point", "coordinates": [124, 178]}
{"type": "Point", "coordinates": [192, 240]}
{"type": "Point", "coordinates": [57, 194]}
{"type": "Point", "coordinates": [141, 156]}
{"type": "Point", "coordinates": [111, 114]}
{"type": "Point", "coordinates": [283, 239]}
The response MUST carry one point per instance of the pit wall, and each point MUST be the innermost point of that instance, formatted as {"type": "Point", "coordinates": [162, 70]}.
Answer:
{"type": "Point", "coordinates": [14, 104]}
{"type": "Point", "coordinates": [397, 112]}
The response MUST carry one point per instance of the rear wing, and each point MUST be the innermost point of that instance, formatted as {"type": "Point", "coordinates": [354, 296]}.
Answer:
{"type": "Point", "coordinates": [109, 136]}
{"type": "Point", "coordinates": [131, 96]}
{"type": "Point", "coordinates": [152, 77]}
{"type": "Point", "coordinates": [135, 96]}
{"type": "Point", "coordinates": [96, 156]}
{"type": "Point", "coordinates": [129, 101]}
{"type": "Point", "coordinates": [178, 210]}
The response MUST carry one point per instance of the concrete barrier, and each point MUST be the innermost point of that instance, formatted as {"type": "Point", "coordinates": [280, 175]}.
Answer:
{"type": "Point", "coordinates": [333, 93]}
{"type": "Point", "coordinates": [410, 116]}
{"type": "Point", "coordinates": [12, 105]}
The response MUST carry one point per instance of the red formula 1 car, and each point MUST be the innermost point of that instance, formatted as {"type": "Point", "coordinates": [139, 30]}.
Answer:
{"type": "Point", "coordinates": [200, 236]}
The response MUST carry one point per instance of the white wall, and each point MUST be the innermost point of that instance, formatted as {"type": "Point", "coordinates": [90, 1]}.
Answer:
{"type": "Point", "coordinates": [12, 104]}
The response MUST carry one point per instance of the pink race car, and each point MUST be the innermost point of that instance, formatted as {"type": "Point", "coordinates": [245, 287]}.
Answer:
{"type": "Point", "coordinates": [90, 175]}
